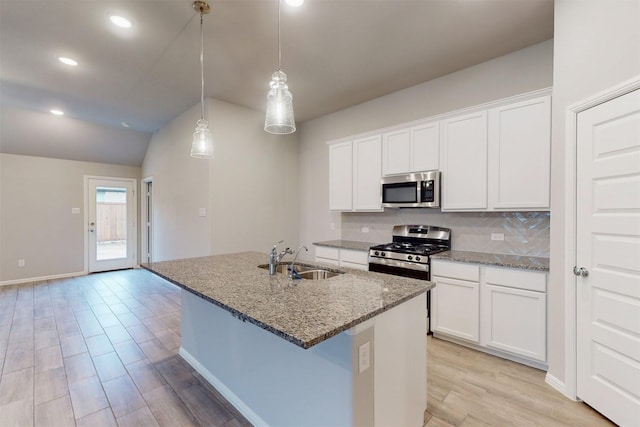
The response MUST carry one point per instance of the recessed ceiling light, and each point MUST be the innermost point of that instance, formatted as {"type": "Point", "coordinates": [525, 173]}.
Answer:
{"type": "Point", "coordinates": [68, 61]}
{"type": "Point", "coordinates": [57, 112]}
{"type": "Point", "coordinates": [125, 124]}
{"type": "Point", "coordinates": [120, 21]}
{"type": "Point", "coordinates": [295, 3]}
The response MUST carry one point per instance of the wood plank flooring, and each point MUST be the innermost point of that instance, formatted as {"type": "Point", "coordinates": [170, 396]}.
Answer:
{"type": "Point", "coordinates": [101, 350]}
{"type": "Point", "coordinates": [469, 388]}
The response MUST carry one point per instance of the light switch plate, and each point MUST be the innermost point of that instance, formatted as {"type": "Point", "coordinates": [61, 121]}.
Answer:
{"type": "Point", "coordinates": [75, 211]}
{"type": "Point", "coordinates": [21, 263]}
{"type": "Point", "coordinates": [202, 212]}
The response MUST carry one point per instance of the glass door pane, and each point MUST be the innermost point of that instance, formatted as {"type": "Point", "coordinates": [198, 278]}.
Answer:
{"type": "Point", "coordinates": [111, 223]}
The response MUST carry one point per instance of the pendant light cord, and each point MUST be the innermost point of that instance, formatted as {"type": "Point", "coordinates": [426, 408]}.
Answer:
{"type": "Point", "coordinates": [279, 48]}
{"type": "Point", "coordinates": [201, 69]}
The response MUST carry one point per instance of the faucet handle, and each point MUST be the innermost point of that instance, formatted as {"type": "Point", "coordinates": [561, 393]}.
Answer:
{"type": "Point", "coordinates": [276, 245]}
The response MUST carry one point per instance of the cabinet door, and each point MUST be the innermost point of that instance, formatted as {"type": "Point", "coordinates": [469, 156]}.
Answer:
{"type": "Point", "coordinates": [455, 308]}
{"type": "Point", "coordinates": [425, 147]}
{"type": "Point", "coordinates": [340, 177]}
{"type": "Point", "coordinates": [519, 155]}
{"type": "Point", "coordinates": [367, 173]}
{"type": "Point", "coordinates": [464, 168]}
{"type": "Point", "coordinates": [514, 320]}
{"type": "Point", "coordinates": [396, 152]}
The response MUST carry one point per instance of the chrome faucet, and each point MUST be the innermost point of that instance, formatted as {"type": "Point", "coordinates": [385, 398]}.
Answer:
{"type": "Point", "coordinates": [275, 257]}
{"type": "Point", "coordinates": [292, 272]}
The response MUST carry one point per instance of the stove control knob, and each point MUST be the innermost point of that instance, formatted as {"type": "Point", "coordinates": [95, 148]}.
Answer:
{"type": "Point", "coordinates": [383, 254]}
{"type": "Point", "coordinates": [409, 257]}
{"type": "Point", "coordinates": [376, 253]}
{"type": "Point", "coordinates": [417, 258]}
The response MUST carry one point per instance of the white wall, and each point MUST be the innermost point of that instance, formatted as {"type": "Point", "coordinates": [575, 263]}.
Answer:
{"type": "Point", "coordinates": [597, 45]}
{"type": "Point", "coordinates": [522, 71]}
{"type": "Point", "coordinates": [36, 224]}
{"type": "Point", "coordinates": [180, 189]}
{"type": "Point", "coordinates": [250, 188]}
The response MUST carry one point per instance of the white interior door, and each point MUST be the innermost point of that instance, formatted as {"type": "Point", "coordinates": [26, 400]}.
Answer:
{"type": "Point", "coordinates": [111, 224]}
{"type": "Point", "coordinates": [608, 258]}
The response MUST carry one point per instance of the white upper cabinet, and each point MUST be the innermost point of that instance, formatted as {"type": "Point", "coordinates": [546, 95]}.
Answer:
{"type": "Point", "coordinates": [498, 159]}
{"type": "Point", "coordinates": [367, 173]}
{"type": "Point", "coordinates": [493, 157]}
{"type": "Point", "coordinates": [396, 152]}
{"type": "Point", "coordinates": [355, 170]}
{"type": "Point", "coordinates": [519, 155]}
{"type": "Point", "coordinates": [341, 177]}
{"type": "Point", "coordinates": [464, 162]}
{"type": "Point", "coordinates": [425, 147]}
{"type": "Point", "coordinates": [412, 149]}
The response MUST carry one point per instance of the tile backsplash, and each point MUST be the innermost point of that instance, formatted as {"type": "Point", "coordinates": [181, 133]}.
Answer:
{"type": "Point", "coordinates": [525, 233]}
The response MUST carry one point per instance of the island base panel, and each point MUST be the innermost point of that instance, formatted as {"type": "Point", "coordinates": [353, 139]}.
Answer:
{"type": "Point", "coordinates": [274, 382]}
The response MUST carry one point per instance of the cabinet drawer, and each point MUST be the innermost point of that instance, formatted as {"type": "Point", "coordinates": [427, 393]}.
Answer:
{"type": "Point", "coordinates": [518, 279]}
{"type": "Point", "coordinates": [455, 270]}
{"type": "Point", "coordinates": [328, 261]}
{"type": "Point", "coordinates": [355, 266]}
{"type": "Point", "coordinates": [354, 257]}
{"type": "Point", "coordinates": [325, 252]}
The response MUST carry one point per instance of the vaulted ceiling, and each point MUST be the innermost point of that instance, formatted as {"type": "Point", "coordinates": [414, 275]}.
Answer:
{"type": "Point", "coordinates": [337, 53]}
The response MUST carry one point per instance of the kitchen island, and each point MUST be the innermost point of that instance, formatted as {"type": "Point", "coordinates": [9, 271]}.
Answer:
{"type": "Point", "coordinates": [348, 350]}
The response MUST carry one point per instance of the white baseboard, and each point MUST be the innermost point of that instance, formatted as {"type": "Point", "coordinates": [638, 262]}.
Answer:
{"type": "Point", "coordinates": [558, 385]}
{"type": "Point", "coordinates": [41, 278]}
{"type": "Point", "coordinates": [237, 403]}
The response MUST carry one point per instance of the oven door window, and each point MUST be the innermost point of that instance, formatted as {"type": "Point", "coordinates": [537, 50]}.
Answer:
{"type": "Point", "coordinates": [402, 192]}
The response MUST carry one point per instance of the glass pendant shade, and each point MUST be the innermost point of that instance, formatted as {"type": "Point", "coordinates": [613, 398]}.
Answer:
{"type": "Point", "coordinates": [202, 145]}
{"type": "Point", "coordinates": [279, 118]}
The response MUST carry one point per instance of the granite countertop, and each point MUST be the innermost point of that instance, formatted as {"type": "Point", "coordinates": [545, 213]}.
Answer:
{"type": "Point", "coordinates": [512, 261]}
{"type": "Point", "coordinates": [304, 312]}
{"type": "Point", "coordinates": [347, 244]}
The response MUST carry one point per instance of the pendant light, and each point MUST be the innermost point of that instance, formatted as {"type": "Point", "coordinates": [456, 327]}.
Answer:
{"type": "Point", "coordinates": [279, 118]}
{"type": "Point", "coordinates": [202, 144]}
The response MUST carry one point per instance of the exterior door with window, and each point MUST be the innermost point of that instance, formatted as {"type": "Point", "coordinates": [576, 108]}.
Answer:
{"type": "Point", "coordinates": [608, 258]}
{"type": "Point", "coordinates": [111, 224]}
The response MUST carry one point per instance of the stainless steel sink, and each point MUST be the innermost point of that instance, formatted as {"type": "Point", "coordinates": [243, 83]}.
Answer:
{"type": "Point", "coordinates": [318, 274]}
{"type": "Point", "coordinates": [307, 272]}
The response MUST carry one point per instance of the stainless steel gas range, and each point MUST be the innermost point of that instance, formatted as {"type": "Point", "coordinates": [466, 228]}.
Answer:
{"type": "Point", "coordinates": [409, 253]}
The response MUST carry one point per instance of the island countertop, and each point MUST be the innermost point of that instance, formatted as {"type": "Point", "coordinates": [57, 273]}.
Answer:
{"type": "Point", "coordinates": [303, 312]}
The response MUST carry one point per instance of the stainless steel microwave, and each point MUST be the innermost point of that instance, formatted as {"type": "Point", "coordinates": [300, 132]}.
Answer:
{"type": "Point", "coordinates": [413, 190]}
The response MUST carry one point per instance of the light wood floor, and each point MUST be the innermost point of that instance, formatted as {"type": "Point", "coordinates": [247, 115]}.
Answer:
{"type": "Point", "coordinates": [101, 350]}
{"type": "Point", "coordinates": [470, 388]}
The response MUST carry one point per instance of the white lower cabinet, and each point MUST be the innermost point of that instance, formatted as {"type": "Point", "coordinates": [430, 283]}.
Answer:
{"type": "Point", "coordinates": [455, 301]}
{"type": "Point", "coordinates": [495, 309]}
{"type": "Point", "coordinates": [349, 258]}
{"type": "Point", "coordinates": [514, 312]}
{"type": "Point", "coordinates": [455, 308]}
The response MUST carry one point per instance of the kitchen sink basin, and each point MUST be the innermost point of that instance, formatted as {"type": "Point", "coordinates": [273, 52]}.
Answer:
{"type": "Point", "coordinates": [307, 272]}
{"type": "Point", "coordinates": [318, 274]}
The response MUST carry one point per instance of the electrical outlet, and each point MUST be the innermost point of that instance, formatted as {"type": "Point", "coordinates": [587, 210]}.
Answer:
{"type": "Point", "coordinates": [365, 229]}
{"type": "Point", "coordinates": [497, 236]}
{"type": "Point", "coordinates": [21, 263]}
{"type": "Point", "coordinates": [332, 226]}
{"type": "Point", "coordinates": [364, 357]}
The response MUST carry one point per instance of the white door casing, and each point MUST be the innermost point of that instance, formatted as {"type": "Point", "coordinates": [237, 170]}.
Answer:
{"type": "Point", "coordinates": [121, 255]}
{"type": "Point", "coordinates": [608, 249]}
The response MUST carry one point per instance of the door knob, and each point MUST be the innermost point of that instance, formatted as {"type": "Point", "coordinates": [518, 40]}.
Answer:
{"type": "Point", "coordinates": [580, 271]}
